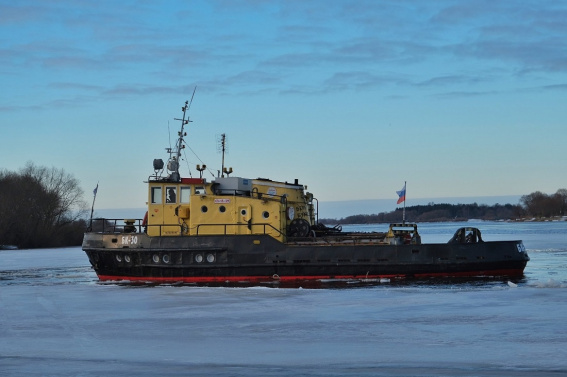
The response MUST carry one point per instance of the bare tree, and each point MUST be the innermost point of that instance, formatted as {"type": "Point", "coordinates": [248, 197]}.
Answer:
{"type": "Point", "coordinates": [539, 204]}
{"type": "Point", "coordinates": [561, 195]}
{"type": "Point", "coordinates": [39, 206]}
{"type": "Point", "coordinates": [68, 204]}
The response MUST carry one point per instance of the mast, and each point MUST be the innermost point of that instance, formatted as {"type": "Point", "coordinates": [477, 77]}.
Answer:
{"type": "Point", "coordinates": [175, 155]}
{"type": "Point", "coordinates": [223, 150]}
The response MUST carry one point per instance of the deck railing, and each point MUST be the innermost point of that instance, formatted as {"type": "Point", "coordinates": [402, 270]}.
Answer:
{"type": "Point", "coordinates": [103, 225]}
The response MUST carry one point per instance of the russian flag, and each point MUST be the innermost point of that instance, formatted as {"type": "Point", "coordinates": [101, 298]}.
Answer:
{"type": "Point", "coordinates": [402, 194]}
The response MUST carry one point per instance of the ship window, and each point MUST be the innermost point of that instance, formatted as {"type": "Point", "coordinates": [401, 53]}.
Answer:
{"type": "Point", "coordinates": [171, 194]}
{"type": "Point", "coordinates": [156, 195]}
{"type": "Point", "coordinates": [266, 214]}
{"type": "Point", "coordinates": [222, 209]}
{"type": "Point", "coordinates": [200, 190]}
{"type": "Point", "coordinates": [185, 194]}
{"type": "Point", "coordinates": [204, 209]}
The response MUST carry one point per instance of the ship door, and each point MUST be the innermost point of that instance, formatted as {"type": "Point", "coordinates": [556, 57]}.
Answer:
{"type": "Point", "coordinates": [244, 219]}
{"type": "Point", "coordinates": [155, 210]}
{"type": "Point", "coordinates": [183, 209]}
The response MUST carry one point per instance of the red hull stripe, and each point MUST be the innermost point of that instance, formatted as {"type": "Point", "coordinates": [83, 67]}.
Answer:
{"type": "Point", "coordinates": [256, 279]}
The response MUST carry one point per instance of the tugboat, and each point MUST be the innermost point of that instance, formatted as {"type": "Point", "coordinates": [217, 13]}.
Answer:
{"type": "Point", "coordinates": [241, 230]}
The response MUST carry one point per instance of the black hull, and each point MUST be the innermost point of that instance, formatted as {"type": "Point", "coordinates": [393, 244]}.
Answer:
{"type": "Point", "coordinates": [260, 258]}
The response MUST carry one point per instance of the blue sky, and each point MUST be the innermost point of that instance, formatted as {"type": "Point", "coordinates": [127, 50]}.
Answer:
{"type": "Point", "coordinates": [459, 98]}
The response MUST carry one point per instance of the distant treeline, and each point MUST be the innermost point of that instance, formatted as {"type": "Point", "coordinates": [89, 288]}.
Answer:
{"type": "Point", "coordinates": [40, 207]}
{"type": "Point", "coordinates": [534, 205]}
{"type": "Point", "coordinates": [44, 207]}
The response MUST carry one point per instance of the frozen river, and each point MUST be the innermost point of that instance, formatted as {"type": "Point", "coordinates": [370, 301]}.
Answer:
{"type": "Point", "coordinates": [56, 319]}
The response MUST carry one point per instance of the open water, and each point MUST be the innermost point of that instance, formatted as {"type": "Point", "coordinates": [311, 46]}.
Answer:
{"type": "Point", "coordinates": [56, 319]}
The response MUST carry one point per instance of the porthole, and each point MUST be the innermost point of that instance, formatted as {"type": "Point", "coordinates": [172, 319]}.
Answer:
{"type": "Point", "coordinates": [118, 258]}
{"type": "Point", "coordinates": [127, 258]}
{"type": "Point", "coordinates": [165, 258]}
{"type": "Point", "coordinates": [210, 258]}
{"type": "Point", "coordinates": [155, 258]}
{"type": "Point", "coordinates": [222, 209]}
{"type": "Point", "coordinates": [265, 214]}
{"type": "Point", "coordinates": [198, 258]}
{"type": "Point", "coordinates": [204, 209]}
{"type": "Point", "coordinates": [243, 212]}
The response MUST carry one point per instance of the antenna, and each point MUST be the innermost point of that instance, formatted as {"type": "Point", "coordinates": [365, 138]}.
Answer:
{"type": "Point", "coordinates": [193, 95]}
{"type": "Point", "coordinates": [169, 135]}
{"type": "Point", "coordinates": [222, 148]}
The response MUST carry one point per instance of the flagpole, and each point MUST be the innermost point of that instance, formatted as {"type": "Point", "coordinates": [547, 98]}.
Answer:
{"type": "Point", "coordinates": [404, 213]}
{"type": "Point", "coordinates": [92, 208]}
{"type": "Point", "coordinates": [402, 198]}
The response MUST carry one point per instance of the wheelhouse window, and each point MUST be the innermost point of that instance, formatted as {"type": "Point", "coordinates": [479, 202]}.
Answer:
{"type": "Point", "coordinates": [200, 190]}
{"type": "Point", "coordinates": [156, 195]}
{"type": "Point", "coordinates": [171, 194]}
{"type": "Point", "coordinates": [185, 194]}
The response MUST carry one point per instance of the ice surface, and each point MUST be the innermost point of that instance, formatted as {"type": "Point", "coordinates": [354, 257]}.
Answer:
{"type": "Point", "coordinates": [97, 328]}
{"type": "Point", "coordinates": [57, 319]}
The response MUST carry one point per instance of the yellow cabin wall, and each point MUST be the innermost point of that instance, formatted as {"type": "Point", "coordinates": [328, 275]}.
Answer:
{"type": "Point", "coordinates": [265, 206]}
{"type": "Point", "coordinates": [295, 198]}
{"type": "Point", "coordinates": [239, 210]}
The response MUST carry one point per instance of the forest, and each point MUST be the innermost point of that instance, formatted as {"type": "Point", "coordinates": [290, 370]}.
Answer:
{"type": "Point", "coordinates": [44, 207]}
{"type": "Point", "coordinates": [41, 207]}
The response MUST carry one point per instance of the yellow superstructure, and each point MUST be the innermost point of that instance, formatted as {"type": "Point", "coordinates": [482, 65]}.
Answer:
{"type": "Point", "coordinates": [227, 206]}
